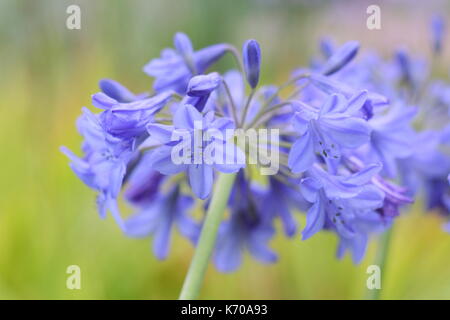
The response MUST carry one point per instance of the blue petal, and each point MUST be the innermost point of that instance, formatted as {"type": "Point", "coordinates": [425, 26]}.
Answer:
{"type": "Point", "coordinates": [160, 132]}
{"type": "Point", "coordinates": [315, 219]}
{"type": "Point", "coordinates": [363, 176]}
{"type": "Point", "coordinates": [183, 44]}
{"type": "Point", "coordinates": [201, 179]}
{"type": "Point", "coordinates": [144, 223]}
{"type": "Point", "coordinates": [205, 57]}
{"type": "Point", "coordinates": [228, 254]}
{"type": "Point", "coordinates": [348, 132]}
{"type": "Point", "coordinates": [223, 160]}
{"type": "Point", "coordinates": [341, 57]}
{"type": "Point", "coordinates": [161, 160]}
{"type": "Point", "coordinates": [356, 102]}
{"type": "Point", "coordinates": [257, 244]}
{"type": "Point", "coordinates": [301, 155]}
{"type": "Point", "coordinates": [187, 226]}
{"type": "Point", "coordinates": [116, 91]}
{"type": "Point", "coordinates": [186, 117]}
{"type": "Point", "coordinates": [289, 223]}
{"type": "Point", "coordinates": [116, 178]}
{"type": "Point", "coordinates": [334, 103]}
{"type": "Point", "coordinates": [102, 101]}
{"type": "Point", "coordinates": [223, 124]}
{"type": "Point", "coordinates": [161, 240]}
{"type": "Point", "coordinates": [228, 257]}
{"type": "Point", "coordinates": [370, 198]}
{"type": "Point", "coordinates": [310, 188]}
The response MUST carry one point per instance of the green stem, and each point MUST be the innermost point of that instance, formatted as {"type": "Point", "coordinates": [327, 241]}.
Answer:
{"type": "Point", "coordinates": [381, 261]}
{"type": "Point", "coordinates": [247, 104]}
{"type": "Point", "coordinates": [208, 235]}
{"type": "Point", "coordinates": [235, 53]}
{"type": "Point", "coordinates": [232, 104]}
{"type": "Point", "coordinates": [265, 112]}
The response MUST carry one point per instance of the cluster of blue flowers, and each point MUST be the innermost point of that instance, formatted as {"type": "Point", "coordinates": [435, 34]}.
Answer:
{"type": "Point", "coordinates": [359, 140]}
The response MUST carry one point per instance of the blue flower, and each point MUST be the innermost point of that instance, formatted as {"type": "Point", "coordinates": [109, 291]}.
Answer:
{"type": "Point", "coordinates": [363, 227]}
{"type": "Point", "coordinates": [128, 120]}
{"type": "Point", "coordinates": [192, 135]}
{"type": "Point", "coordinates": [346, 134]}
{"type": "Point", "coordinates": [158, 218]}
{"type": "Point", "coordinates": [104, 164]}
{"type": "Point", "coordinates": [247, 228]}
{"type": "Point", "coordinates": [392, 137]}
{"type": "Point", "coordinates": [395, 196]}
{"type": "Point", "coordinates": [339, 200]}
{"type": "Point", "coordinates": [332, 86]}
{"type": "Point", "coordinates": [200, 88]}
{"type": "Point", "coordinates": [143, 182]}
{"type": "Point", "coordinates": [426, 170]}
{"type": "Point", "coordinates": [282, 200]}
{"type": "Point", "coordinates": [327, 130]}
{"type": "Point", "coordinates": [172, 70]}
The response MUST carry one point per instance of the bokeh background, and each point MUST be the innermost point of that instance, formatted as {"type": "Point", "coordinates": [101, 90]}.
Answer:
{"type": "Point", "coordinates": [48, 219]}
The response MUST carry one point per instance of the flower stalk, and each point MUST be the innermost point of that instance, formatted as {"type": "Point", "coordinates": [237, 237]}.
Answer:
{"type": "Point", "coordinates": [381, 261]}
{"type": "Point", "coordinates": [196, 273]}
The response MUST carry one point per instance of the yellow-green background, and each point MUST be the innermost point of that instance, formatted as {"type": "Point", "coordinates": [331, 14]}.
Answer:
{"type": "Point", "coordinates": [48, 219]}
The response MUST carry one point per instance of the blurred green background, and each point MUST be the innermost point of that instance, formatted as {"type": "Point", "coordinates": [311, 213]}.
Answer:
{"type": "Point", "coordinates": [48, 219]}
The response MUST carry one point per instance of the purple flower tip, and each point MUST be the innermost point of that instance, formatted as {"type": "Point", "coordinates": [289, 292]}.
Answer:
{"type": "Point", "coordinates": [252, 61]}
{"type": "Point", "coordinates": [437, 31]}
{"type": "Point", "coordinates": [183, 44]}
{"type": "Point", "coordinates": [341, 57]}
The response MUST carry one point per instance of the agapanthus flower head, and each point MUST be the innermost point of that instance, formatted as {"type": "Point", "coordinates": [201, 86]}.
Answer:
{"type": "Point", "coordinates": [357, 141]}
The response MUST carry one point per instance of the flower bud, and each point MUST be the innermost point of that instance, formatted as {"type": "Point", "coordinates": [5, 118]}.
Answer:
{"type": "Point", "coordinates": [252, 61]}
{"type": "Point", "coordinates": [437, 30]}
{"type": "Point", "coordinates": [203, 84]}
